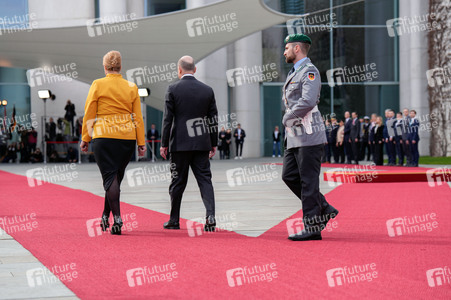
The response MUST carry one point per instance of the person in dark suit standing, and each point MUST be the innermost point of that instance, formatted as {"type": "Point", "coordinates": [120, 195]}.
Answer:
{"type": "Point", "coordinates": [305, 138]}
{"type": "Point", "coordinates": [70, 114]}
{"type": "Point", "coordinates": [389, 136]}
{"type": "Point", "coordinates": [364, 145]}
{"type": "Point", "coordinates": [371, 134]}
{"type": "Point", "coordinates": [333, 140]}
{"type": "Point", "coordinates": [379, 141]}
{"type": "Point", "coordinates": [405, 136]}
{"type": "Point", "coordinates": [347, 141]}
{"type": "Point", "coordinates": [222, 142]}
{"type": "Point", "coordinates": [239, 135]}
{"type": "Point", "coordinates": [328, 154]}
{"type": "Point", "coordinates": [354, 137]}
{"type": "Point", "coordinates": [414, 138]}
{"type": "Point", "coordinates": [190, 135]}
{"type": "Point", "coordinates": [153, 135]}
{"type": "Point", "coordinates": [399, 124]}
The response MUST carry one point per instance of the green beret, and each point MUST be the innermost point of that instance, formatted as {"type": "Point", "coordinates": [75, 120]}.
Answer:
{"type": "Point", "coordinates": [302, 38]}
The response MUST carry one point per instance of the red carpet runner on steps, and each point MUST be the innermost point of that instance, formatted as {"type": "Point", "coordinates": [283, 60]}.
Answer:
{"type": "Point", "coordinates": [358, 240]}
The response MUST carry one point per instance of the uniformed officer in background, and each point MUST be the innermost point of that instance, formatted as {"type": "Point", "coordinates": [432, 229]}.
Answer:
{"type": "Point", "coordinates": [305, 137]}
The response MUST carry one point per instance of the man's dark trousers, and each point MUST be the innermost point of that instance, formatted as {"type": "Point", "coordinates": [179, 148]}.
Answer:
{"type": "Point", "coordinates": [200, 165]}
{"type": "Point", "coordinates": [301, 170]}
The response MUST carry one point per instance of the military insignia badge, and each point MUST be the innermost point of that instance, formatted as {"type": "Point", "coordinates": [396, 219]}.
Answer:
{"type": "Point", "coordinates": [311, 76]}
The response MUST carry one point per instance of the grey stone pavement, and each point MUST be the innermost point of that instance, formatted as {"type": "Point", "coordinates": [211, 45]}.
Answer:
{"type": "Point", "coordinates": [252, 208]}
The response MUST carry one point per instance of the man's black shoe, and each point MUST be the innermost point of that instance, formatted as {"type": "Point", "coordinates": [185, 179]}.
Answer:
{"type": "Point", "coordinates": [210, 223]}
{"type": "Point", "coordinates": [306, 236]}
{"type": "Point", "coordinates": [328, 213]}
{"type": "Point", "coordinates": [171, 225]}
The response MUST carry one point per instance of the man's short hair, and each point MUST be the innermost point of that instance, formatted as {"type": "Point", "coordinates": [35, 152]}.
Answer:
{"type": "Point", "coordinates": [187, 66]}
{"type": "Point", "coordinates": [305, 48]}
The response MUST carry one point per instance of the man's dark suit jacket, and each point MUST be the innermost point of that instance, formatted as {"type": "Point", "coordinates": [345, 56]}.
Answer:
{"type": "Point", "coordinates": [347, 131]}
{"type": "Point", "coordinates": [274, 136]}
{"type": "Point", "coordinates": [355, 130]}
{"type": "Point", "coordinates": [379, 134]}
{"type": "Point", "coordinates": [190, 121]}
{"type": "Point", "coordinates": [149, 134]}
{"type": "Point", "coordinates": [242, 135]}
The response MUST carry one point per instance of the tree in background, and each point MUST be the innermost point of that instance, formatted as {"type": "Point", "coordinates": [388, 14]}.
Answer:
{"type": "Point", "coordinates": [440, 84]}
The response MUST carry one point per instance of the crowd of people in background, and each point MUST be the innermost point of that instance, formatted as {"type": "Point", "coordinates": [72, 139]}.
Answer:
{"type": "Point", "coordinates": [352, 139]}
{"type": "Point", "coordinates": [18, 143]}
{"type": "Point", "coordinates": [349, 140]}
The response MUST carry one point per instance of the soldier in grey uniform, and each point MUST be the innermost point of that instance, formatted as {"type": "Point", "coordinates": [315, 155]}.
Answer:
{"type": "Point", "coordinates": [304, 138]}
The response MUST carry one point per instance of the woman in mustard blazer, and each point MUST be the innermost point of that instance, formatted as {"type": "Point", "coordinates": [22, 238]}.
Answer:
{"type": "Point", "coordinates": [114, 123]}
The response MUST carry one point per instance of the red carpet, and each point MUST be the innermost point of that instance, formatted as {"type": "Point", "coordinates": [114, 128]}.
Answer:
{"type": "Point", "coordinates": [372, 174]}
{"type": "Point", "coordinates": [360, 238]}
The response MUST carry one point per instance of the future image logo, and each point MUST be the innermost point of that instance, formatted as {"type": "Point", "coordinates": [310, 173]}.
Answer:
{"type": "Point", "coordinates": [248, 175]}
{"type": "Point", "coordinates": [438, 276]}
{"type": "Point", "coordinates": [254, 74]}
{"type": "Point", "coordinates": [111, 24]}
{"type": "Point", "coordinates": [211, 25]}
{"type": "Point", "coordinates": [148, 275]}
{"type": "Point", "coordinates": [356, 73]}
{"type": "Point", "coordinates": [411, 225]}
{"type": "Point", "coordinates": [351, 274]}
{"type": "Point", "coordinates": [249, 275]}
{"type": "Point", "coordinates": [438, 77]}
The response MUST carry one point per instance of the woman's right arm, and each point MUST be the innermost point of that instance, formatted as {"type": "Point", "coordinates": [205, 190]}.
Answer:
{"type": "Point", "coordinates": [90, 113]}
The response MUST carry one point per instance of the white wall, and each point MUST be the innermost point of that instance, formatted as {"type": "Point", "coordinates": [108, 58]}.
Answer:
{"type": "Point", "coordinates": [57, 13]}
{"type": "Point", "coordinates": [245, 99]}
{"type": "Point", "coordinates": [413, 63]}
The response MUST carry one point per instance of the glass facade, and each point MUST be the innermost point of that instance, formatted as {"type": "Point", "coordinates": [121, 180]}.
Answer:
{"type": "Point", "coordinates": [350, 43]}
{"type": "Point", "coordinates": [156, 7]}
{"type": "Point", "coordinates": [13, 81]}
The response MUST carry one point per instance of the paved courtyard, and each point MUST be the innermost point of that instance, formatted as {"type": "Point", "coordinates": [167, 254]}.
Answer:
{"type": "Point", "coordinates": [250, 198]}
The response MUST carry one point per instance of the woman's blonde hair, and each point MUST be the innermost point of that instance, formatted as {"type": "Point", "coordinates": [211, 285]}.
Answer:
{"type": "Point", "coordinates": [113, 61]}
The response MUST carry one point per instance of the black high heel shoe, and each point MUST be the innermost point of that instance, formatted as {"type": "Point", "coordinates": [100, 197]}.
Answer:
{"type": "Point", "coordinates": [104, 223]}
{"type": "Point", "coordinates": [116, 228]}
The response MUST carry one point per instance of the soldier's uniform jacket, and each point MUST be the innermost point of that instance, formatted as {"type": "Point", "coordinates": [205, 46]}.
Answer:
{"type": "Point", "coordinates": [301, 93]}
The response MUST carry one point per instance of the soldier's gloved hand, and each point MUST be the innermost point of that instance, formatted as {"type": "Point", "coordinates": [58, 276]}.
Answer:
{"type": "Point", "coordinates": [289, 121]}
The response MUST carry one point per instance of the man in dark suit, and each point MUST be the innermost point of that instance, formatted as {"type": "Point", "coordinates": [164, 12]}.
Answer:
{"type": "Point", "coordinates": [405, 136]}
{"type": "Point", "coordinates": [190, 135]}
{"type": "Point", "coordinates": [153, 135]}
{"type": "Point", "coordinates": [354, 137]}
{"type": "Point", "coordinates": [239, 135]}
{"type": "Point", "coordinates": [414, 138]}
{"type": "Point", "coordinates": [347, 142]}
{"type": "Point", "coordinates": [333, 140]}
{"type": "Point", "coordinates": [389, 136]}
{"type": "Point", "coordinates": [364, 146]}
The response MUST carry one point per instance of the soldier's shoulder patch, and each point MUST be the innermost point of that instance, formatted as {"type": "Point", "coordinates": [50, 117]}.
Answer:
{"type": "Point", "coordinates": [311, 76]}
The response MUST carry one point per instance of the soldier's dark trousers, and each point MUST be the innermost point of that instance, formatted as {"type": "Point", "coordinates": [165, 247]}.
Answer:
{"type": "Point", "coordinates": [301, 170]}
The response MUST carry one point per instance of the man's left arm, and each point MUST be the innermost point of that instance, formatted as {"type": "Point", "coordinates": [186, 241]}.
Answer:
{"type": "Point", "coordinates": [213, 116]}
{"type": "Point", "coordinates": [168, 118]}
{"type": "Point", "coordinates": [358, 130]}
{"type": "Point", "coordinates": [310, 84]}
